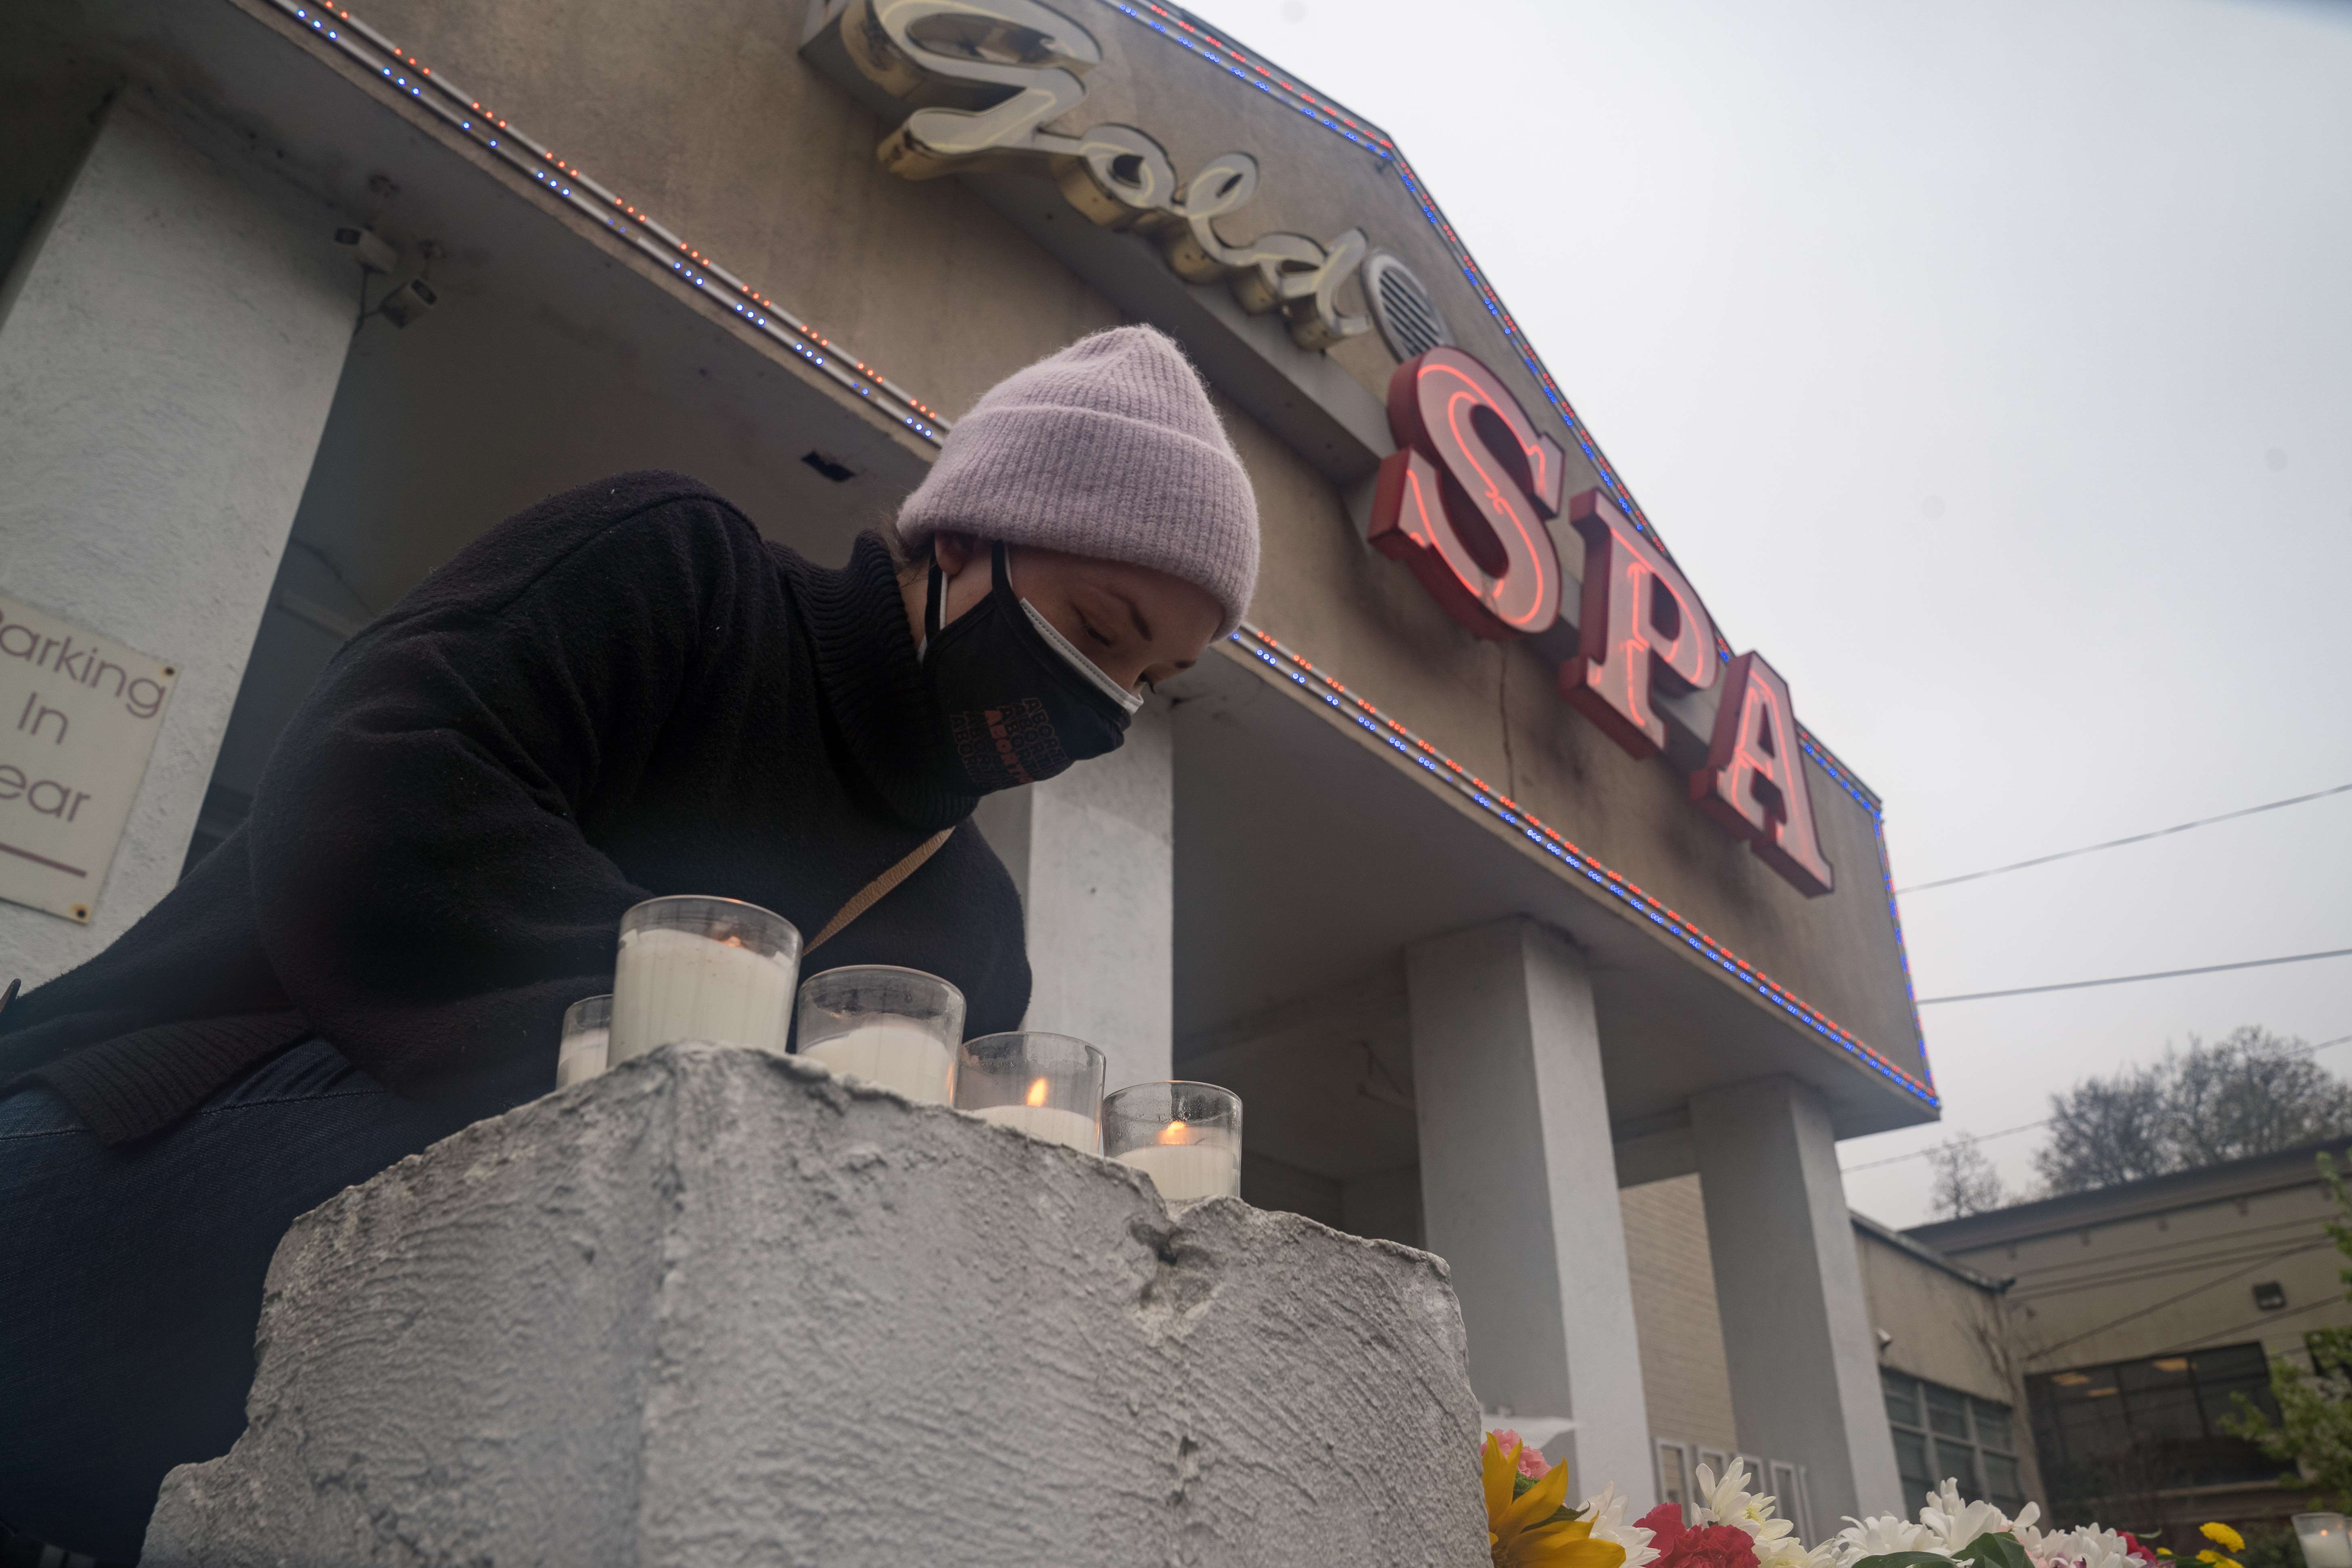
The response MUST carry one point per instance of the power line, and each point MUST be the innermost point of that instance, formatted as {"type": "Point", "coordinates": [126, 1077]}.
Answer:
{"type": "Point", "coordinates": [2118, 842]}
{"type": "Point", "coordinates": [2135, 979]}
{"type": "Point", "coordinates": [1923, 1153]}
{"type": "Point", "coordinates": [2170, 1300]}
{"type": "Point", "coordinates": [2030, 1126]}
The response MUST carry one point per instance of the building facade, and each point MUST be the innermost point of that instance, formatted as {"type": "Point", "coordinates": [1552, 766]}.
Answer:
{"type": "Point", "coordinates": [1493, 873]}
{"type": "Point", "coordinates": [2142, 1315]}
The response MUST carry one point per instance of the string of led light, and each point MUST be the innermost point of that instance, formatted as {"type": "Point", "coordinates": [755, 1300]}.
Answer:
{"type": "Point", "coordinates": [565, 181]}
{"type": "Point", "coordinates": [573, 187]}
{"type": "Point", "coordinates": [1237, 58]}
{"type": "Point", "coordinates": [1270, 652]}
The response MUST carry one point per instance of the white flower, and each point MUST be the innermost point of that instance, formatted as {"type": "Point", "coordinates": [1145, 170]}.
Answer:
{"type": "Point", "coordinates": [1728, 1501]}
{"type": "Point", "coordinates": [1879, 1533]}
{"type": "Point", "coordinates": [1953, 1523]}
{"type": "Point", "coordinates": [2089, 1547]}
{"type": "Point", "coordinates": [1607, 1513]}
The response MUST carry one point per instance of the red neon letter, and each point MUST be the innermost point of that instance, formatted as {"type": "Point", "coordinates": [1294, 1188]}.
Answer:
{"type": "Point", "coordinates": [1754, 780]}
{"type": "Point", "coordinates": [1462, 501]}
{"type": "Point", "coordinates": [1641, 623]}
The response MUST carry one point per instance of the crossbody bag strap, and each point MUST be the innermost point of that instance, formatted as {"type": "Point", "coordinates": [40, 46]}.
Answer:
{"type": "Point", "coordinates": [875, 890]}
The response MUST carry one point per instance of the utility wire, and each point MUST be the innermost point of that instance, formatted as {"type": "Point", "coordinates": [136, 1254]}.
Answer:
{"type": "Point", "coordinates": [2169, 1301]}
{"type": "Point", "coordinates": [2030, 1126]}
{"type": "Point", "coordinates": [2118, 842]}
{"type": "Point", "coordinates": [2135, 979]}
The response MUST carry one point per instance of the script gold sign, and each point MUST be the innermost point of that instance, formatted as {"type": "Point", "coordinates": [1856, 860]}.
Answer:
{"type": "Point", "coordinates": [986, 76]}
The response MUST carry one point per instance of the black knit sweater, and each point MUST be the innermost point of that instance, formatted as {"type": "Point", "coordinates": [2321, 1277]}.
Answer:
{"type": "Point", "coordinates": [621, 693]}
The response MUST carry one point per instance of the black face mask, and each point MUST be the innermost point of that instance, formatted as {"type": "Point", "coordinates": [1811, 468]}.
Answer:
{"type": "Point", "coordinates": [1019, 701]}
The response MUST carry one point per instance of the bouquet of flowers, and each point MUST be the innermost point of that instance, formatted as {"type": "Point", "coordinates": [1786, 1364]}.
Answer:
{"type": "Point", "coordinates": [1530, 1525]}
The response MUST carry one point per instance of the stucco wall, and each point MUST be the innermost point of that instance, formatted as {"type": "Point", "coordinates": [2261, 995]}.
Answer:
{"type": "Point", "coordinates": [1946, 1330]}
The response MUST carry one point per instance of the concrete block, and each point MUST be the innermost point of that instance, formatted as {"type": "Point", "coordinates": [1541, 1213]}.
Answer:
{"type": "Point", "coordinates": [716, 1308]}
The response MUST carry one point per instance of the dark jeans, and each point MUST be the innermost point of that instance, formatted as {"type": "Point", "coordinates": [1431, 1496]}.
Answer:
{"type": "Point", "coordinates": [131, 1277]}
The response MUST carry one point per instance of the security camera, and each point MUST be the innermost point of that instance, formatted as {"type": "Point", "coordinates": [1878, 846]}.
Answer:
{"type": "Point", "coordinates": [369, 249]}
{"type": "Point", "coordinates": [408, 301]}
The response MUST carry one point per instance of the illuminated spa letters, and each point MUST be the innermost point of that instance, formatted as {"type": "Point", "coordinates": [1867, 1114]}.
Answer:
{"type": "Point", "coordinates": [1754, 780]}
{"type": "Point", "coordinates": [990, 73]}
{"type": "Point", "coordinates": [1640, 624]}
{"type": "Point", "coordinates": [1462, 501]}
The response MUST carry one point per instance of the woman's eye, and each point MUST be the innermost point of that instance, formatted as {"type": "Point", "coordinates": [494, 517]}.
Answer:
{"type": "Point", "coordinates": [1088, 628]}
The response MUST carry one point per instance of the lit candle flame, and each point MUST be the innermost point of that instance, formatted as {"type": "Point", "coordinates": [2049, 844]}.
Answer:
{"type": "Point", "coordinates": [1037, 1092]}
{"type": "Point", "coordinates": [1176, 1133]}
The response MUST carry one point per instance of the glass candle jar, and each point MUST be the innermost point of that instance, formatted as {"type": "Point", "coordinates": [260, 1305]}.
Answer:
{"type": "Point", "coordinates": [2322, 1540]}
{"type": "Point", "coordinates": [587, 1040]}
{"type": "Point", "coordinates": [1048, 1086]}
{"type": "Point", "coordinates": [896, 1028]}
{"type": "Point", "coordinates": [698, 968]}
{"type": "Point", "coordinates": [1187, 1137]}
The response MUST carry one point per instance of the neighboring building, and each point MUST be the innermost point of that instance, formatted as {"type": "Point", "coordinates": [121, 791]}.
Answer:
{"type": "Point", "coordinates": [2141, 1315]}
{"type": "Point", "coordinates": [1475, 952]}
{"type": "Point", "coordinates": [1953, 1405]}
{"type": "Point", "coordinates": [1953, 1402]}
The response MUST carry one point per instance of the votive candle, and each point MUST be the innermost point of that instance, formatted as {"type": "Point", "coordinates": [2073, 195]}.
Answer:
{"type": "Point", "coordinates": [587, 1040]}
{"type": "Point", "coordinates": [1187, 1137]}
{"type": "Point", "coordinates": [894, 1027]}
{"type": "Point", "coordinates": [703, 969]}
{"type": "Point", "coordinates": [1048, 1086]}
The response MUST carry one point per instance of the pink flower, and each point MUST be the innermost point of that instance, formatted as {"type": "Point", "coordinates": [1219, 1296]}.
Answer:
{"type": "Point", "coordinates": [1532, 1464]}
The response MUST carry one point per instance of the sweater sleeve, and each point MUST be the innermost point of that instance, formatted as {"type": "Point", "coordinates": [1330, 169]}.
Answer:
{"type": "Point", "coordinates": [424, 889]}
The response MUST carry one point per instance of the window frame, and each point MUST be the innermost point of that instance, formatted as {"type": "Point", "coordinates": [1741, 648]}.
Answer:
{"type": "Point", "coordinates": [1971, 1438]}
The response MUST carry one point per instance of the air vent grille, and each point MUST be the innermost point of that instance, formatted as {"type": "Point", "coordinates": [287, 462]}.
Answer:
{"type": "Point", "coordinates": [1409, 319]}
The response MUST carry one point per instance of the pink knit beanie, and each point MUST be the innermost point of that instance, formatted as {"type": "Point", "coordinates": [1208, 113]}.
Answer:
{"type": "Point", "coordinates": [1109, 448]}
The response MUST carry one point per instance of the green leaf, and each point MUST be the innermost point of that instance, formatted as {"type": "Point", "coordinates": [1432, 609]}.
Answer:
{"type": "Point", "coordinates": [1992, 1549]}
{"type": "Point", "coordinates": [1906, 1560]}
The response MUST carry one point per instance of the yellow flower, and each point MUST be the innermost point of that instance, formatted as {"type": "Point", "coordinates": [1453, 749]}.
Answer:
{"type": "Point", "coordinates": [2223, 1535]}
{"type": "Point", "coordinates": [1521, 1532]}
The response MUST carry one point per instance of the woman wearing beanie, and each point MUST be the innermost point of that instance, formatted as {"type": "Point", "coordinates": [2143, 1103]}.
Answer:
{"type": "Point", "coordinates": [621, 693]}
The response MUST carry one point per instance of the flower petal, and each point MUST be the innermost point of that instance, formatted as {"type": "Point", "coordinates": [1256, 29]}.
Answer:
{"type": "Point", "coordinates": [1538, 1503]}
{"type": "Point", "coordinates": [1495, 1471]}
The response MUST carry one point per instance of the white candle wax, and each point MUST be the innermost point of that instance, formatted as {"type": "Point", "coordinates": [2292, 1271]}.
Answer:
{"type": "Point", "coordinates": [1071, 1129]}
{"type": "Point", "coordinates": [896, 1053]}
{"type": "Point", "coordinates": [2324, 1540]}
{"type": "Point", "coordinates": [1184, 1172]}
{"type": "Point", "coordinates": [672, 985]}
{"type": "Point", "coordinates": [583, 1057]}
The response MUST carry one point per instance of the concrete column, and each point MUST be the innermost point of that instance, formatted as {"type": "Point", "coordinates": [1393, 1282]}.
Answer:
{"type": "Point", "coordinates": [1804, 1372]}
{"type": "Point", "coordinates": [170, 349]}
{"type": "Point", "coordinates": [1519, 1194]}
{"type": "Point", "coordinates": [1094, 854]}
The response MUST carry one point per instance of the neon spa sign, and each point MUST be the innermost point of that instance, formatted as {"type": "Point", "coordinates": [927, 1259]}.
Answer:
{"type": "Point", "coordinates": [987, 75]}
{"type": "Point", "coordinates": [1463, 502]}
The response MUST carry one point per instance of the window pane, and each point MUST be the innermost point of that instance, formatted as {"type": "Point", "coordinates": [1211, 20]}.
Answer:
{"type": "Point", "coordinates": [2221, 1375]}
{"type": "Point", "coordinates": [1911, 1464]}
{"type": "Point", "coordinates": [2001, 1487]}
{"type": "Point", "coordinates": [1992, 1427]}
{"type": "Point", "coordinates": [1674, 1481]}
{"type": "Point", "coordinates": [1957, 1461]}
{"type": "Point", "coordinates": [1902, 1397]}
{"type": "Point", "coordinates": [2160, 1401]}
{"type": "Point", "coordinates": [2087, 1414]}
{"type": "Point", "coordinates": [1947, 1412]}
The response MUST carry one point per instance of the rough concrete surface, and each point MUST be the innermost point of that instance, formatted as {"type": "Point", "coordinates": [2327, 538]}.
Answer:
{"type": "Point", "coordinates": [716, 1307]}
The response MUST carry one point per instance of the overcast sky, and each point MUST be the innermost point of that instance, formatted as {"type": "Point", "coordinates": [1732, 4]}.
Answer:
{"type": "Point", "coordinates": [1988, 366]}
